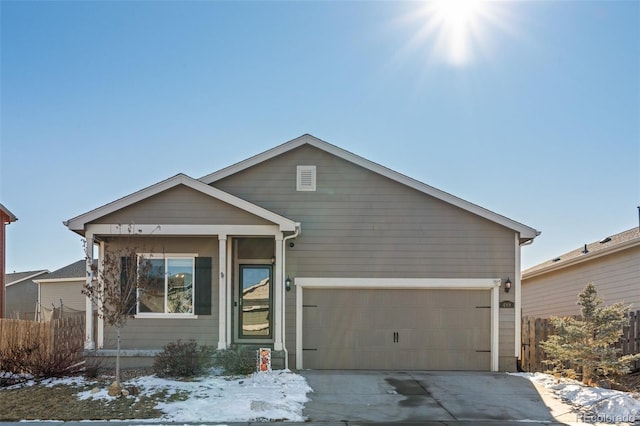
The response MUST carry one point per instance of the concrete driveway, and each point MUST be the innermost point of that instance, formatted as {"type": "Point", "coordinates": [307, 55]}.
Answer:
{"type": "Point", "coordinates": [354, 397]}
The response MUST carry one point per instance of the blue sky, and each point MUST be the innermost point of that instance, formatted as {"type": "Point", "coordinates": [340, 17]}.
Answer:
{"type": "Point", "coordinates": [540, 122]}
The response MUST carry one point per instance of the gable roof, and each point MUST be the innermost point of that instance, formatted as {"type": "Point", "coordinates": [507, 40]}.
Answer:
{"type": "Point", "coordinates": [76, 270]}
{"type": "Point", "coordinates": [611, 244]}
{"type": "Point", "coordinates": [7, 213]}
{"type": "Point", "coordinates": [18, 277]}
{"type": "Point", "coordinates": [78, 223]}
{"type": "Point", "coordinates": [526, 233]}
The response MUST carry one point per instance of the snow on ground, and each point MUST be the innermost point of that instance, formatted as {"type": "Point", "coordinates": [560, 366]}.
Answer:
{"type": "Point", "coordinates": [276, 395]}
{"type": "Point", "coordinates": [597, 404]}
{"type": "Point", "coordinates": [22, 380]}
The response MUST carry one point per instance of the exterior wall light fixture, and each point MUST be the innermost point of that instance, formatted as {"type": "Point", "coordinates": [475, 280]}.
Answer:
{"type": "Point", "coordinates": [507, 285]}
{"type": "Point", "coordinates": [287, 284]}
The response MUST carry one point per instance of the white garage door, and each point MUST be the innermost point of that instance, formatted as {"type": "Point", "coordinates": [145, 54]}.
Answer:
{"type": "Point", "coordinates": [421, 329]}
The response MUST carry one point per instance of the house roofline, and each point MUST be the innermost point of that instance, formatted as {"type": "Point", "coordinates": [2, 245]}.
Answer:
{"type": "Point", "coordinates": [30, 277]}
{"type": "Point", "coordinates": [625, 245]}
{"type": "Point", "coordinates": [78, 223]}
{"type": "Point", "coordinates": [526, 233]}
{"type": "Point", "coordinates": [59, 280]}
{"type": "Point", "coordinates": [10, 216]}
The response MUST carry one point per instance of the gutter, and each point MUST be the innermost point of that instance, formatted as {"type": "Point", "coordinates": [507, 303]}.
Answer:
{"type": "Point", "coordinates": [284, 292]}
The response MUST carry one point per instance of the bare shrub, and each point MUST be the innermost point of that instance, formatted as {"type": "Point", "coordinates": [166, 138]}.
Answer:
{"type": "Point", "coordinates": [34, 359]}
{"type": "Point", "coordinates": [183, 359]}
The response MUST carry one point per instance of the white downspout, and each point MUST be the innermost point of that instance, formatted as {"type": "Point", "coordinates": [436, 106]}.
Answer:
{"type": "Point", "coordinates": [284, 293]}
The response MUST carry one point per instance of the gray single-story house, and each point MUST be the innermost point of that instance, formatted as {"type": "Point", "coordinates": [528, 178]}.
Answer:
{"type": "Point", "coordinates": [331, 260]}
{"type": "Point", "coordinates": [612, 264]}
{"type": "Point", "coordinates": [22, 294]}
{"type": "Point", "coordinates": [62, 290]}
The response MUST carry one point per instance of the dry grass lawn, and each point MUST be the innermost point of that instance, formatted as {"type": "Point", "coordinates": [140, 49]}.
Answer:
{"type": "Point", "coordinates": [60, 402]}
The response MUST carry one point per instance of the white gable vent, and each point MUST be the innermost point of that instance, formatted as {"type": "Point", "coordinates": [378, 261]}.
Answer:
{"type": "Point", "coordinates": [306, 178]}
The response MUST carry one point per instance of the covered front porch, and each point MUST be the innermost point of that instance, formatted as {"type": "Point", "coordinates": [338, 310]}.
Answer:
{"type": "Point", "coordinates": [225, 258]}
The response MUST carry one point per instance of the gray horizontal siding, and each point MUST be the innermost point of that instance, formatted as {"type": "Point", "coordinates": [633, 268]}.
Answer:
{"type": "Point", "coordinates": [144, 333]}
{"type": "Point", "coordinates": [69, 292]}
{"type": "Point", "coordinates": [154, 333]}
{"type": "Point", "coordinates": [358, 220]}
{"type": "Point", "coordinates": [361, 224]}
{"type": "Point", "coordinates": [616, 277]}
{"type": "Point", "coordinates": [182, 205]}
{"type": "Point", "coordinates": [20, 300]}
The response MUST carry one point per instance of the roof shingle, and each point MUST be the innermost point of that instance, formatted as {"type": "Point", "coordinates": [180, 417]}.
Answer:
{"type": "Point", "coordinates": [593, 248]}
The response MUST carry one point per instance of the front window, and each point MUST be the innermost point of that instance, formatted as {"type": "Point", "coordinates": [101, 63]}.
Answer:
{"type": "Point", "coordinates": [167, 286]}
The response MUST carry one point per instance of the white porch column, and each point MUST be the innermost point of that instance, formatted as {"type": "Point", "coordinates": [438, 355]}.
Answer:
{"type": "Point", "coordinates": [100, 329]}
{"type": "Point", "coordinates": [89, 342]}
{"type": "Point", "coordinates": [230, 294]}
{"type": "Point", "coordinates": [278, 290]}
{"type": "Point", "coordinates": [222, 292]}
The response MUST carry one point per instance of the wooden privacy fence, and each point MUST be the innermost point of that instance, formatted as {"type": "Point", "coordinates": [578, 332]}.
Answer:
{"type": "Point", "coordinates": [536, 330]}
{"type": "Point", "coordinates": [61, 335]}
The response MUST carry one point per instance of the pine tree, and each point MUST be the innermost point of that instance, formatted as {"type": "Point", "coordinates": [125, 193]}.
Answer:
{"type": "Point", "coordinates": [584, 345]}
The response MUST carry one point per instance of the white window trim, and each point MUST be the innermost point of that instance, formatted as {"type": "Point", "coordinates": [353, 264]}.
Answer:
{"type": "Point", "coordinates": [300, 170]}
{"type": "Point", "coordinates": [169, 316]}
{"type": "Point", "coordinates": [166, 256]}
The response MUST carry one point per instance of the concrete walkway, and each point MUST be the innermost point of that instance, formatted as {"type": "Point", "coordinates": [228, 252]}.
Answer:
{"type": "Point", "coordinates": [359, 397]}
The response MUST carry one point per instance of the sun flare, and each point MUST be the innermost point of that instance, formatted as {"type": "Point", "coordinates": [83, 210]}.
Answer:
{"type": "Point", "coordinates": [457, 12]}
{"type": "Point", "coordinates": [454, 29]}
{"type": "Point", "coordinates": [459, 25]}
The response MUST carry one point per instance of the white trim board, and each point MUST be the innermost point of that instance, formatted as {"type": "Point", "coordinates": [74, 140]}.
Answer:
{"type": "Point", "coordinates": [492, 284]}
{"type": "Point", "coordinates": [526, 233]}
{"type": "Point", "coordinates": [399, 283]}
{"type": "Point", "coordinates": [181, 230]}
{"type": "Point", "coordinates": [78, 223]}
{"type": "Point", "coordinates": [60, 280]}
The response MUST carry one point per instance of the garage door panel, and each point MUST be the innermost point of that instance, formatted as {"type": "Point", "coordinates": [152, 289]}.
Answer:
{"type": "Point", "coordinates": [373, 339]}
{"type": "Point", "coordinates": [341, 338]}
{"type": "Point", "coordinates": [397, 329]}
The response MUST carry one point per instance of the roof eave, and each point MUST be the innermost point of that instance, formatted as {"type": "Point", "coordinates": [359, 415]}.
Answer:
{"type": "Point", "coordinates": [59, 280]}
{"type": "Point", "coordinates": [78, 224]}
{"type": "Point", "coordinates": [6, 212]}
{"type": "Point", "coordinates": [30, 277]}
{"type": "Point", "coordinates": [526, 233]}
{"type": "Point", "coordinates": [581, 259]}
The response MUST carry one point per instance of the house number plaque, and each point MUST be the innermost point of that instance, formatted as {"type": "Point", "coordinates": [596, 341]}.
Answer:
{"type": "Point", "coordinates": [507, 304]}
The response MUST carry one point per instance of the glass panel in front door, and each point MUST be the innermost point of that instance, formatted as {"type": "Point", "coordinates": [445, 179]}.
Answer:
{"type": "Point", "coordinates": [255, 301]}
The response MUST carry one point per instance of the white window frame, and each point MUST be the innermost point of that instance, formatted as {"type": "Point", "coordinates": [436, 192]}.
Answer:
{"type": "Point", "coordinates": [165, 314]}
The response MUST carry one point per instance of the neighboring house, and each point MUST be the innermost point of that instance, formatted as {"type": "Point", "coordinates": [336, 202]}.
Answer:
{"type": "Point", "coordinates": [612, 264]}
{"type": "Point", "coordinates": [22, 294]}
{"type": "Point", "coordinates": [386, 272]}
{"type": "Point", "coordinates": [6, 217]}
{"type": "Point", "coordinates": [63, 288]}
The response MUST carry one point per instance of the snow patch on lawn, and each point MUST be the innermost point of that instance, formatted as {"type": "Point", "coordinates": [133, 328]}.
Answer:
{"type": "Point", "coordinates": [277, 395]}
{"type": "Point", "coordinates": [24, 380]}
{"type": "Point", "coordinates": [598, 404]}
